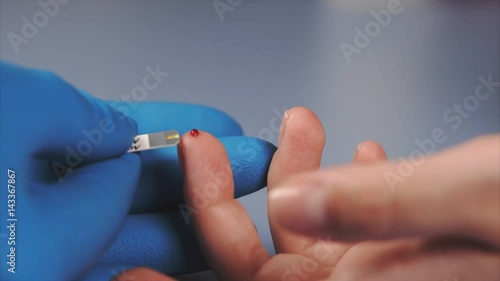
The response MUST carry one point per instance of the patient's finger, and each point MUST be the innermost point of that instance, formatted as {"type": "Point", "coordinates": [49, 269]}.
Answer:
{"type": "Point", "coordinates": [301, 144]}
{"type": "Point", "coordinates": [418, 259]}
{"type": "Point", "coordinates": [224, 229]}
{"type": "Point", "coordinates": [455, 192]}
{"type": "Point", "coordinates": [369, 152]}
{"type": "Point", "coordinates": [141, 274]}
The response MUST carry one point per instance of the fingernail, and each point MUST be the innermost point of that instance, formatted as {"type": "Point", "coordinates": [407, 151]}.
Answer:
{"type": "Point", "coordinates": [358, 149]}
{"type": "Point", "coordinates": [283, 125]}
{"type": "Point", "coordinates": [298, 208]}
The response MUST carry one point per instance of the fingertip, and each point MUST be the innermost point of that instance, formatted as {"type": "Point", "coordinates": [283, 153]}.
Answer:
{"type": "Point", "coordinates": [113, 131]}
{"type": "Point", "coordinates": [250, 160]}
{"type": "Point", "coordinates": [208, 174]}
{"type": "Point", "coordinates": [141, 274]}
{"type": "Point", "coordinates": [302, 121]}
{"type": "Point", "coordinates": [369, 152]}
{"type": "Point", "coordinates": [121, 125]}
{"type": "Point", "coordinates": [197, 144]}
{"type": "Point", "coordinates": [302, 139]}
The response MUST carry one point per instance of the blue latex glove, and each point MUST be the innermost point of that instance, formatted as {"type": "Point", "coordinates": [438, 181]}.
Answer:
{"type": "Point", "coordinates": [63, 227]}
{"type": "Point", "coordinates": [165, 241]}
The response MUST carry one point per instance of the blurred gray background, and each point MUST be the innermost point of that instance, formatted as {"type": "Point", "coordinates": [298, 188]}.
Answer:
{"type": "Point", "coordinates": [260, 57]}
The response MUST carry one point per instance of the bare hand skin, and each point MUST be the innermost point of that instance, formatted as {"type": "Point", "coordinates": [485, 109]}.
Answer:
{"type": "Point", "coordinates": [440, 223]}
{"type": "Point", "coordinates": [141, 274]}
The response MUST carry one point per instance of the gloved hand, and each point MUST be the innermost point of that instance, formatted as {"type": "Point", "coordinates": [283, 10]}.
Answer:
{"type": "Point", "coordinates": [158, 233]}
{"type": "Point", "coordinates": [60, 225]}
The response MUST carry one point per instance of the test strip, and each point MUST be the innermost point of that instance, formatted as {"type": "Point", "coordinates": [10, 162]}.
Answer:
{"type": "Point", "coordinates": [154, 140]}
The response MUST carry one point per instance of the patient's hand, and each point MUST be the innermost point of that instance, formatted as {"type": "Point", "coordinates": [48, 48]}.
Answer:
{"type": "Point", "coordinates": [349, 223]}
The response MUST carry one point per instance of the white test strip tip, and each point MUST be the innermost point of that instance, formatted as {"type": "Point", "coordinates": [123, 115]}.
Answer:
{"type": "Point", "coordinates": [154, 140]}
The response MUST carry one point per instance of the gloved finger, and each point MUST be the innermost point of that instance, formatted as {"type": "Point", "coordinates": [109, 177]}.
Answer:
{"type": "Point", "coordinates": [162, 116]}
{"type": "Point", "coordinates": [369, 152]}
{"type": "Point", "coordinates": [91, 202]}
{"type": "Point", "coordinates": [163, 241]}
{"type": "Point", "coordinates": [302, 139]}
{"type": "Point", "coordinates": [224, 229]}
{"type": "Point", "coordinates": [72, 128]}
{"type": "Point", "coordinates": [162, 179]}
{"type": "Point", "coordinates": [453, 193]}
{"type": "Point", "coordinates": [417, 259]}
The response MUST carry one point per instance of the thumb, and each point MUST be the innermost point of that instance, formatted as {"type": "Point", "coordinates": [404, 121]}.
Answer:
{"type": "Point", "coordinates": [72, 129]}
{"type": "Point", "coordinates": [102, 133]}
{"type": "Point", "coordinates": [455, 192]}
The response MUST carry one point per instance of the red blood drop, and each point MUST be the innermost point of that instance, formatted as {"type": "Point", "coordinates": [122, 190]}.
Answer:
{"type": "Point", "coordinates": [194, 132]}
